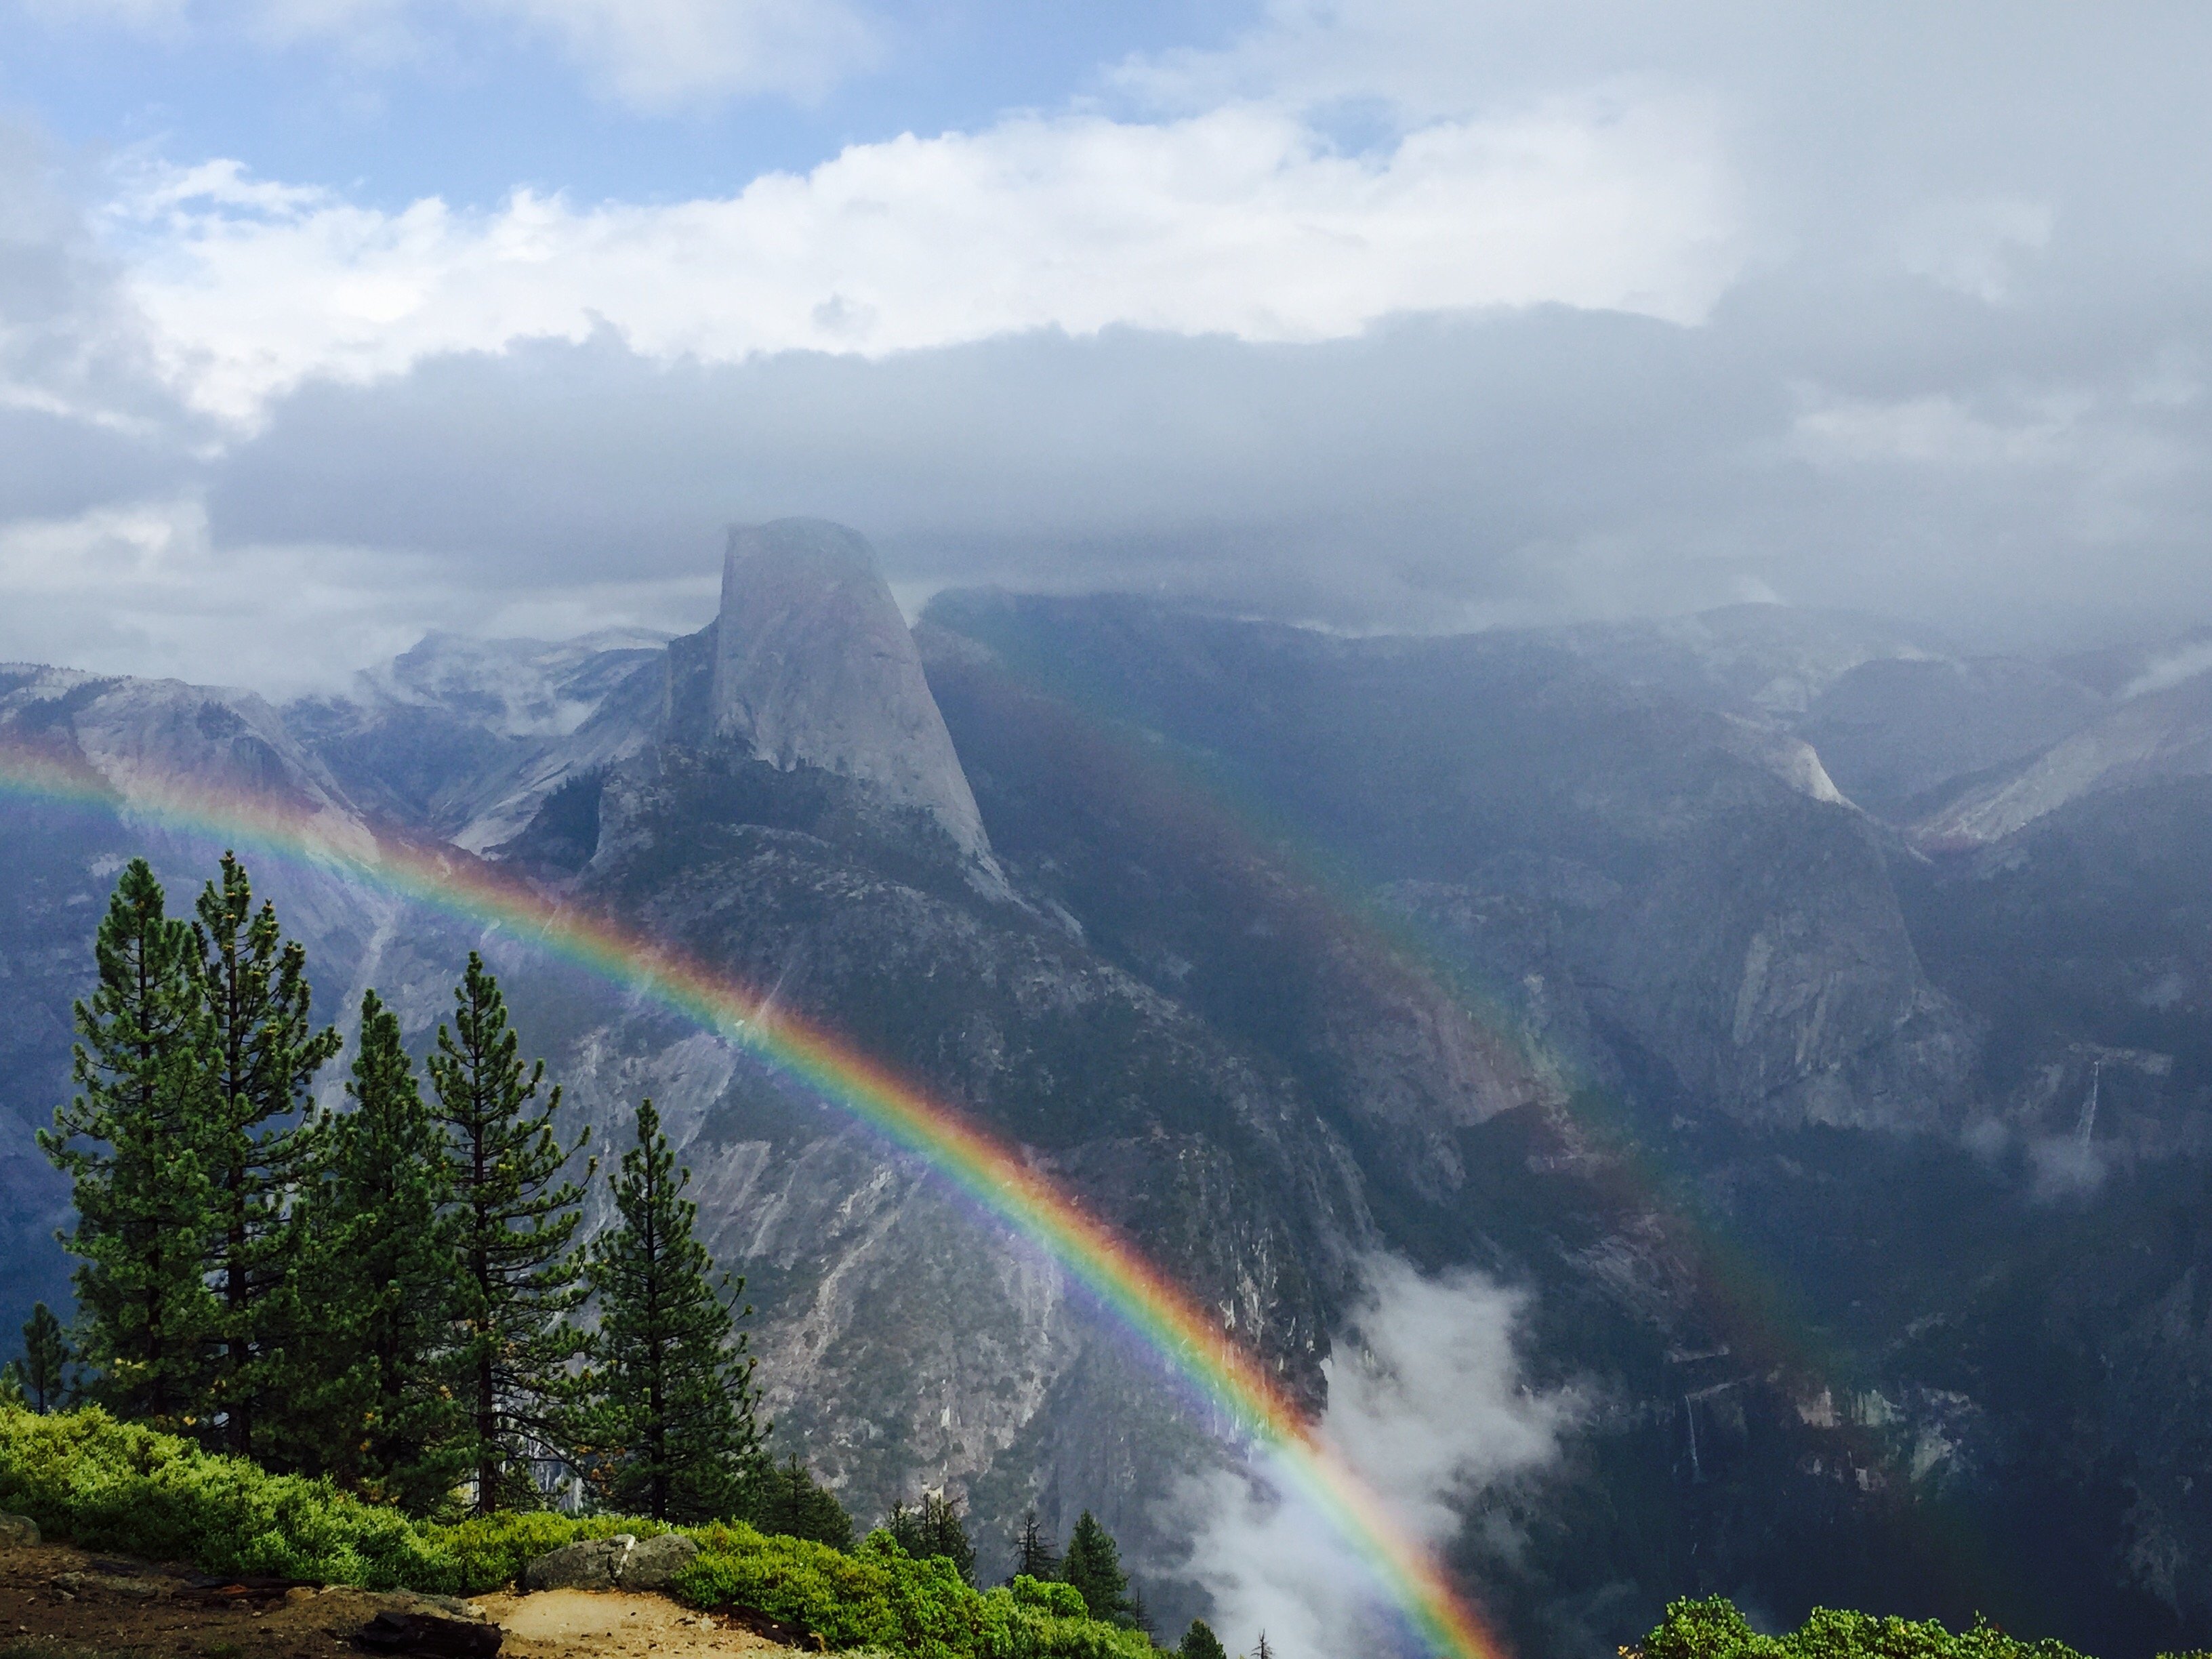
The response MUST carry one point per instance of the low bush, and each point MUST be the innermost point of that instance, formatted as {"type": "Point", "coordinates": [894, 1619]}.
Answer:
{"type": "Point", "coordinates": [879, 1597]}
{"type": "Point", "coordinates": [109, 1485]}
{"type": "Point", "coordinates": [1714, 1629]}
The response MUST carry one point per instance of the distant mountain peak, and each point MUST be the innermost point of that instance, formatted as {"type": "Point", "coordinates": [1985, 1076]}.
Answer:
{"type": "Point", "coordinates": [517, 687]}
{"type": "Point", "coordinates": [813, 664]}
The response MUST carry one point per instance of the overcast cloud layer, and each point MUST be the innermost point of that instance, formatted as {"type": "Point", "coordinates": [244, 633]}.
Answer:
{"type": "Point", "coordinates": [1388, 314]}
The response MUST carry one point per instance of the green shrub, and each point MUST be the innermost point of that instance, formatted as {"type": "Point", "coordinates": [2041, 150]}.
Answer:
{"type": "Point", "coordinates": [120, 1486]}
{"type": "Point", "coordinates": [1713, 1629]}
{"type": "Point", "coordinates": [105, 1484]}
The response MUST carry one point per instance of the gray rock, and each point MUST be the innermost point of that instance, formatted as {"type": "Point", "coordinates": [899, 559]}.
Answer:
{"type": "Point", "coordinates": [17, 1531]}
{"type": "Point", "coordinates": [622, 1562]}
{"type": "Point", "coordinates": [592, 1563]}
{"type": "Point", "coordinates": [656, 1561]}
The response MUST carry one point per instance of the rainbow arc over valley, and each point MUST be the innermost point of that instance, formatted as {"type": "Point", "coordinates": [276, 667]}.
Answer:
{"type": "Point", "coordinates": [1184, 1336]}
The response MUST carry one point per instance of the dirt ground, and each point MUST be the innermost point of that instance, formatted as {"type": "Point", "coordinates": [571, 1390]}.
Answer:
{"type": "Point", "coordinates": [56, 1602]}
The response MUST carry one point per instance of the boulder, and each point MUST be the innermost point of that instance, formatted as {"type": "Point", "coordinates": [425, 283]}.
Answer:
{"type": "Point", "coordinates": [592, 1563]}
{"type": "Point", "coordinates": [622, 1562]}
{"type": "Point", "coordinates": [17, 1531]}
{"type": "Point", "coordinates": [656, 1561]}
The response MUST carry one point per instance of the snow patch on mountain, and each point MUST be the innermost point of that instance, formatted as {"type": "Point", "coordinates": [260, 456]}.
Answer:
{"type": "Point", "coordinates": [515, 688]}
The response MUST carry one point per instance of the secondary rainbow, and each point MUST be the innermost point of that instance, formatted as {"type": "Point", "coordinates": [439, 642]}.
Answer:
{"type": "Point", "coordinates": [1152, 1306]}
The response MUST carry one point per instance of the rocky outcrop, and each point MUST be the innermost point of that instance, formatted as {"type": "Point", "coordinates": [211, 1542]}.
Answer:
{"type": "Point", "coordinates": [623, 1561]}
{"type": "Point", "coordinates": [813, 665]}
{"type": "Point", "coordinates": [2161, 736]}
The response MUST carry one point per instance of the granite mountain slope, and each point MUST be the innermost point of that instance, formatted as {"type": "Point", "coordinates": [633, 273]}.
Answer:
{"type": "Point", "coordinates": [1577, 956]}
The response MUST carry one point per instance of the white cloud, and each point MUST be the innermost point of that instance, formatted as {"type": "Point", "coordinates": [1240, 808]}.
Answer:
{"type": "Point", "coordinates": [1428, 1408]}
{"type": "Point", "coordinates": [1241, 221]}
{"type": "Point", "coordinates": [2172, 669]}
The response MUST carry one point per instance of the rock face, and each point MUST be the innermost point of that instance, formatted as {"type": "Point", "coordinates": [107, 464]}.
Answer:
{"type": "Point", "coordinates": [813, 665]}
{"type": "Point", "coordinates": [2159, 736]}
{"type": "Point", "coordinates": [141, 737]}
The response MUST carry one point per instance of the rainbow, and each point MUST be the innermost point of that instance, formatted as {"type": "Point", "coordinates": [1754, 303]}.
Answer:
{"type": "Point", "coordinates": [1160, 1313]}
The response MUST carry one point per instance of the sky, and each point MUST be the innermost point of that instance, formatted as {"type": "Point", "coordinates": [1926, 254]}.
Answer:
{"type": "Point", "coordinates": [324, 323]}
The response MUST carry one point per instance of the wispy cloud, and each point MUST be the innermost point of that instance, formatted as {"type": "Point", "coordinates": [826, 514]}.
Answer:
{"type": "Point", "coordinates": [2170, 671]}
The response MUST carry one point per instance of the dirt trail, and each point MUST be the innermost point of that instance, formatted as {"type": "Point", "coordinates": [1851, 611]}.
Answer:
{"type": "Point", "coordinates": [631, 1624]}
{"type": "Point", "coordinates": [68, 1603]}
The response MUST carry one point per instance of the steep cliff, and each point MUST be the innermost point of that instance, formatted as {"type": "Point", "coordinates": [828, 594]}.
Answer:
{"type": "Point", "coordinates": [813, 665]}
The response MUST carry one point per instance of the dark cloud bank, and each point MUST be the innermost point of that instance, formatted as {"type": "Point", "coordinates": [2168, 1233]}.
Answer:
{"type": "Point", "coordinates": [2024, 469]}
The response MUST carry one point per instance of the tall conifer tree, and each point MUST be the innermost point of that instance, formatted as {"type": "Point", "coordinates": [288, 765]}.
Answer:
{"type": "Point", "coordinates": [259, 1138]}
{"type": "Point", "coordinates": [1094, 1567]}
{"type": "Point", "coordinates": [1199, 1642]}
{"type": "Point", "coordinates": [128, 1140]}
{"type": "Point", "coordinates": [671, 1420]}
{"type": "Point", "coordinates": [512, 1228]}
{"type": "Point", "coordinates": [41, 1373]}
{"type": "Point", "coordinates": [379, 1287]}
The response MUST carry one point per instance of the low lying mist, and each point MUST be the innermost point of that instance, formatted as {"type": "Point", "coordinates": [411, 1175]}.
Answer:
{"type": "Point", "coordinates": [1428, 1405]}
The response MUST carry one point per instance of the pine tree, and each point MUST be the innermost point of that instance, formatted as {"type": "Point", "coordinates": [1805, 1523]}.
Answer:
{"type": "Point", "coordinates": [1199, 1642]}
{"type": "Point", "coordinates": [931, 1528]}
{"type": "Point", "coordinates": [257, 1137]}
{"type": "Point", "coordinates": [786, 1499]}
{"type": "Point", "coordinates": [673, 1413]}
{"type": "Point", "coordinates": [127, 1142]}
{"type": "Point", "coordinates": [518, 1278]}
{"type": "Point", "coordinates": [1094, 1567]}
{"type": "Point", "coordinates": [1033, 1553]}
{"type": "Point", "coordinates": [378, 1286]}
{"type": "Point", "coordinates": [1263, 1652]}
{"type": "Point", "coordinates": [40, 1375]}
